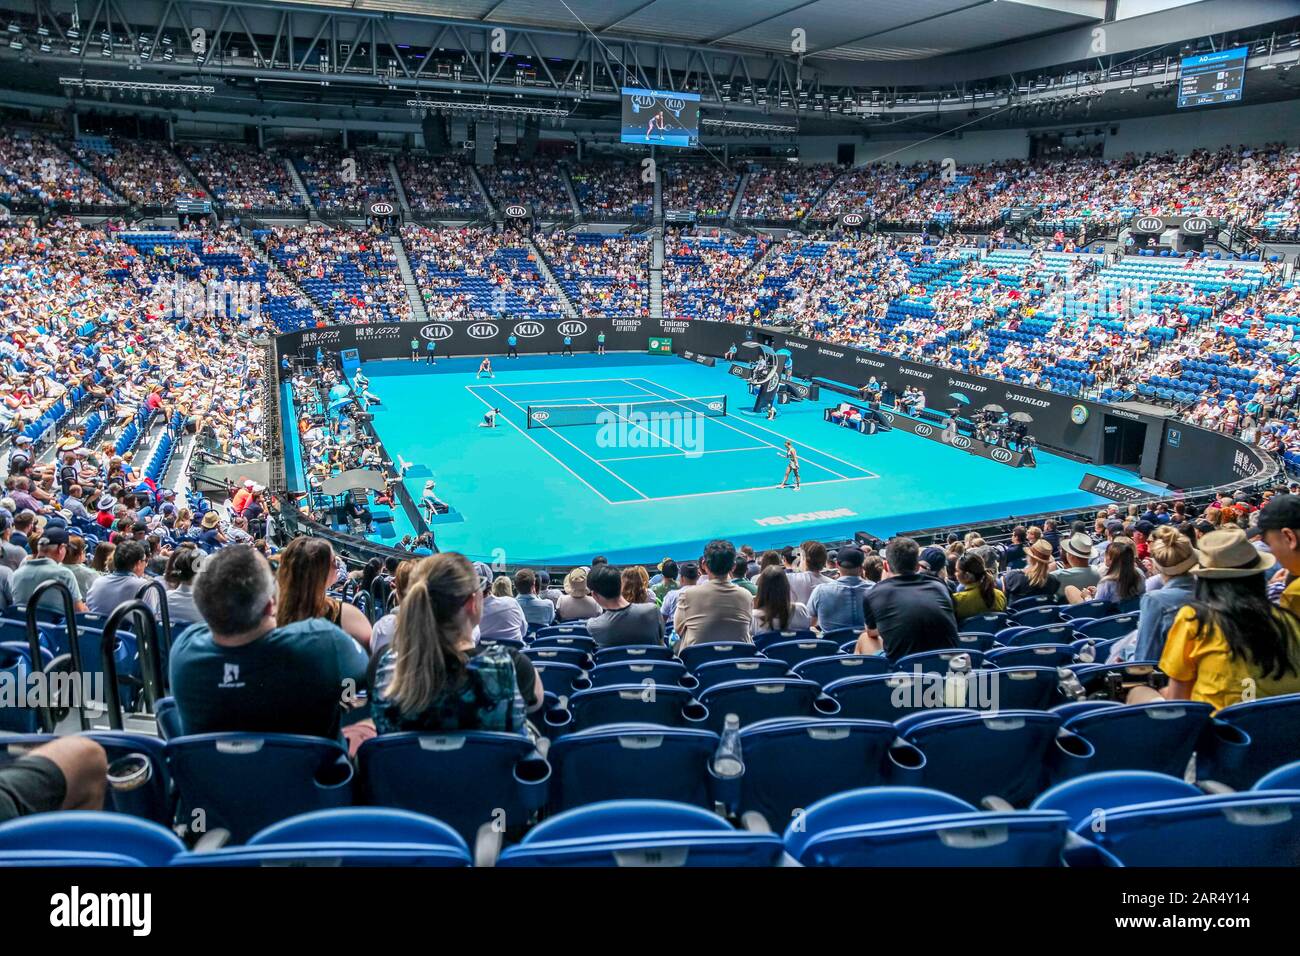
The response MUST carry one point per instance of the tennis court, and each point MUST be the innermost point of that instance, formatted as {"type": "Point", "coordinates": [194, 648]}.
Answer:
{"type": "Point", "coordinates": [641, 488]}
{"type": "Point", "coordinates": [632, 439]}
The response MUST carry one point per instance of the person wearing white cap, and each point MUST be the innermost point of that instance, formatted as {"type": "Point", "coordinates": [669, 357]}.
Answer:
{"type": "Point", "coordinates": [245, 494]}
{"type": "Point", "coordinates": [1230, 643]}
{"type": "Point", "coordinates": [430, 503]}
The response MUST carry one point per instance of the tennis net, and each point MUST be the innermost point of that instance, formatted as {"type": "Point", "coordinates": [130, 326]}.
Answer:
{"type": "Point", "coordinates": [596, 412]}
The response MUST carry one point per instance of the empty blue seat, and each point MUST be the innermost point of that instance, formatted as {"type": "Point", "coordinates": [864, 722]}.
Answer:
{"type": "Point", "coordinates": [86, 838]}
{"type": "Point", "coordinates": [886, 696]}
{"type": "Point", "coordinates": [1247, 740]}
{"type": "Point", "coordinates": [1286, 777]}
{"type": "Point", "coordinates": [936, 662]}
{"type": "Point", "coordinates": [578, 642]}
{"type": "Point", "coordinates": [634, 652]}
{"type": "Point", "coordinates": [1037, 616]}
{"type": "Point", "coordinates": [739, 668]}
{"type": "Point", "coordinates": [985, 623]}
{"type": "Point", "coordinates": [1060, 633]}
{"type": "Point", "coordinates": [764, 639]}
{"type": "Point", "coordinates": [696, 654]}
{"type": "Point", "coordinates": [244, 782]}
{"type": "Point", "coordinates": [559, 655]}
{"type": "Point", "coordinates": [755, 700]}
{"type": "Point", "coordinates": [561, 679]}
{"type": "Point", "coordinates": [1013, 748]}
{"type": "Point", "coordinates": [641, 833]}
{"type": "Point", "coordinates": [1033, 655]}
{"type": "Point", "coordinates": [633, 704]}
{"type": "Point", "coordinates": [790, 763]}
{"type": "Point", "coordinates": [913, 826]}
{"type": "Point", "coordinates": [795, 652]}
{"type": "Point", "coordinates": [466, 779]}
{"type": "Point", "coordinates": [1159, 737]}
{"type": "Point", "coordinates": [1106, 628]}
{"type": "Point", "coordinates": [823, 670]}
{"type": "Point", "coordinates": [632, 761]}
{"type": "Point", "coordinates": [1088, 609]}
{"type": "Point", "coordinates": [347, 836]}
{"type": "Point", "coordinates": [639, 672]}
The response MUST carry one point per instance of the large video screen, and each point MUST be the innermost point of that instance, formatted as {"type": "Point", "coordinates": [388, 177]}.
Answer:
{"type": "Point", "coordinates": [660, 118]}
{"type": "Point", "coordinates": [1212, 77]}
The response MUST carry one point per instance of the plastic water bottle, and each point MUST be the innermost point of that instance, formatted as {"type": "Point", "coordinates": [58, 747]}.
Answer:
{"type": "Point", "coordinates": [1070, 685]}
{"type": "Point", "coordinates": [956, 680]}
{"type": "Point", "coordinates": [727, 762]}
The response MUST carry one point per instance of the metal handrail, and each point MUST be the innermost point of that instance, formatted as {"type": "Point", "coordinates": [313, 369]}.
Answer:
{"type": "Point", "coordinates": [74, 645]}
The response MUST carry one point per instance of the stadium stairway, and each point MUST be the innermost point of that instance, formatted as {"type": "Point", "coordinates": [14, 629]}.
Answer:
{"type": "Point", "coordinates": [408, 277]}
{"type": "Point", "coordinates": [482, 191]}
{"type": "Point", "coordinates": [735, 200]}
{"type": "Point", "coordinates": [399, 189]}
{"type": "Point", "coordinates": [657, 272]}
{"type": "Point", "coordinates": [658, 209]}
{"type": "Point", "coordinates": [572, 193]}
{"type": "Point", "coordinates": [299, 185]}
{"type": "Point", "coordinates": [552, 284]}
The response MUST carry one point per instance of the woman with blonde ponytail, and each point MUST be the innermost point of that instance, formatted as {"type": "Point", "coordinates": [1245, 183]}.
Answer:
{"type": "Point", "coordinates": [427, 679]}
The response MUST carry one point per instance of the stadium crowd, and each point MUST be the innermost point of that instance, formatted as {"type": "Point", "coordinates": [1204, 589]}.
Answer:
{"type": "Point", "coordinates": [142, 171]}
{"type": "Point", "coordinates": [32, 166]}
{"type": "Point", "coordinates": [602, 274]}
{"type": "Point", "coordinates": [241, 177]}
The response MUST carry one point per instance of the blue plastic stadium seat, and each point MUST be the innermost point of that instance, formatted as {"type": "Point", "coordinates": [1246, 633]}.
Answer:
{"type": "Point", "coordinates": [833, 667]}
{"type": "Point", "coordinates": [465, 779]}
{"type": "Point", "coordinates": [672, 673]}
{"type": "Point", "coordinates": [86, 838]}
{"type": "Point", "coordinates": [913, 826]}
{"type": "Point", "coordinates": [641, 833]}
{"type": "Point", "coordinates": [1247, 740]}
{"type": "Point", "coordinates": [633, 704]}
{"type": "Point", "coordinates": [795, 652]}
{"type": "Point", "coordinates": [632, 761]}
{"type": "Point", "coordinates": [696, 654]}
{"type": "Point", "coordinates": [347, 836]}
{"type": "Point", "coordinates": [244, 782]}
{"type": "Point", "coordinates": [1159, 737]}
{"type": "Point", "coordinates": [762, 699]}
{"type": "Point", "coordinates": [711, 673]}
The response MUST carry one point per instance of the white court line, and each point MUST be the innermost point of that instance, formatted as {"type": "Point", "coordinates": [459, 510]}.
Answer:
{"type": "Point", "coordinates": [544, 449]}
{"type": "Point", "coordinates": [742, 491]}
{"type": "Point", "coordinates": [580, 402]}
{"type": "Point", "coordinates": [571, 381]}
{"type": "Point", "coordinates": [715, 451]}
{"type": "Point", "coordinates": [814, 448]}
{"type": "Point", "coordinates": [575, 448]}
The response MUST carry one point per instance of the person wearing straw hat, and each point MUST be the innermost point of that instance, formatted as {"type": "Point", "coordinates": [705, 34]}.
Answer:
{"type": "Point", "coordinates": [1230, 643]}
{"type": "Point", "coordinates": [1174, 558]}
{"type": "Point", "coordinates": [1077, 575]}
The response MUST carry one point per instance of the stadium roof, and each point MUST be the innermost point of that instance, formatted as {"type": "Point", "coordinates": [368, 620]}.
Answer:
{"type": "Point", "coordinates": [838, 29]}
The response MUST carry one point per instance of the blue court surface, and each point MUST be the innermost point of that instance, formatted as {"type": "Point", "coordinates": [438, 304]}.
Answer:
{"type": "Point", "coordinates": [637, 487]}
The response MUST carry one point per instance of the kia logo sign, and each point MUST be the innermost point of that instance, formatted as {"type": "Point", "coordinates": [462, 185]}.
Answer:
{"type": "Point", "coordinates": [1197, 225]}
{"type": "Point", "coordinates": [541, 416]}
{"type": "Point", "coordinates": [482, 330]}
{"type": "Point", "coordinates": [715, 406]}
{"type": "Point", "coordinates": [749, 345]}
{"type": "Point", "coordinates": [1150, 224]}
{"type": "Point", "coordinates": [887, 416]}
{"type": "Point", "coordinates": [516, 211]}
{"type": "Point", "coordinates": [852, 220]}
{"type": "Point", "coordinates": [436, 332]}
{"type": "Point", "coordinates": [528, 330]}
{"type": "Point", "coordinates": [924, 430]}
{"type": "Point", "coordinates": [1001, 454]}
{"type": "Point", "coordinates": [381, 209]}
{"type": "Point", "coordinates": [960, 441]}
{"type": "Point", "coordinates": [572, 328]}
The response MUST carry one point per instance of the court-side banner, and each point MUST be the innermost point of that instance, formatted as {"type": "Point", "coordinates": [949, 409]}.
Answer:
{"type": "Point", "coordinates": [1112, 489]}
{"type": "Point", "coordinates": [483, 337]}
{"type": "Point", "coordinates": [935, 433]}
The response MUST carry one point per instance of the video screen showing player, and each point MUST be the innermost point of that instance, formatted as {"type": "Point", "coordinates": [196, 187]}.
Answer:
{"type": "Point", "coordinates": [660, 118]}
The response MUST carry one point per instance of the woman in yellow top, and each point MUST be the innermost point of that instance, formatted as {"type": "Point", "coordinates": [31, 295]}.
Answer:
{"type": "Point", "coordinates": [980, 593]}
{"type": "Point", "coordinates": [1231, 643]}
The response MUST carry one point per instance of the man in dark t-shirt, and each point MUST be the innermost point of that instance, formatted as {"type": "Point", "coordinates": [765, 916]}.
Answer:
{"type": "Point", "coordinates": [239, 672]}
{"type": "Point", "coordinates": [620, 623]}
{"type": "Point", "coordinates": [907, 612]}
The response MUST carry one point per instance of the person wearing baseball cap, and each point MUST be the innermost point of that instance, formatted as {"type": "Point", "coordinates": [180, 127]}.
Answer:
{"type": "Point", "coordinates": [1230, 643]}
{"type": "Point", "coordinates": [1076, 551]}
{"type": "Point", "coordinates": [837, 605]}
{"type": "Point", "coordinates": [1279, 520]}
{"type": "Point", "coordinates": [502, 615]}
{"type": "Point", "coordinates": [51, 548]}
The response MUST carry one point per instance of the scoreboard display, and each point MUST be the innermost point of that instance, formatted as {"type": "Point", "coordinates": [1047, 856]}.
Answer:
{"type": "Point", "coordinates": [660, 118]}
{"type": "Point", "coordinates": [1212, 77]}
